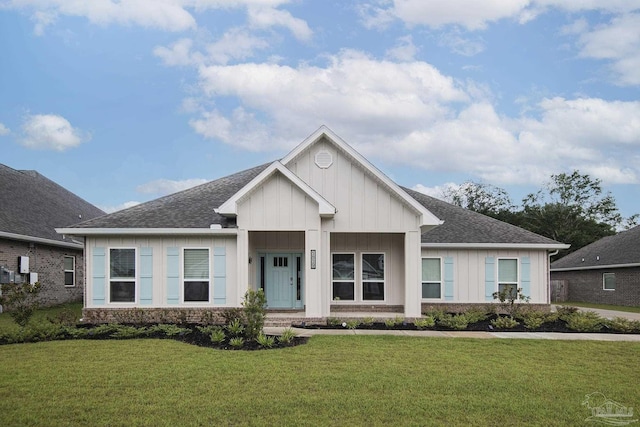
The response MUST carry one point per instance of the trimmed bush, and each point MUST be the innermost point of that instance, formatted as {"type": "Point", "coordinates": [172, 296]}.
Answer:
{"type": "Point", "coordinates": [505, 322]}
{"type": "Point", "coordinates": [584, 321]}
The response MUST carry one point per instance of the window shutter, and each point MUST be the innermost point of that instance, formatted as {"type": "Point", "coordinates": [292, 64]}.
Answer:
{"type": "Point", "coordinates": [448, 278]}
{"type": "Point", "coordinates": [173, 276]}
{"type": "Point", "coordinates": [219, 275]}
{"type": "Point", "coordinates": [99, 275]}
{"type": "Point", "coordinates": [146, 276]}
{"type": "Point", "coordinates": [489, 278]}
{"type": "Point", "coordinates": [525, 276]}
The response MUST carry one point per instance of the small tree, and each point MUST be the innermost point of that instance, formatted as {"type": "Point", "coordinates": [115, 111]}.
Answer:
{"type": "Point", "coordinates": [254, 313]}
{"type": "Point", "coordinates": [20, 299]}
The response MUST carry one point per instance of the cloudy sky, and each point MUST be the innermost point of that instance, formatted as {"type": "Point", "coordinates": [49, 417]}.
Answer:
{"type": "Point", "coordinates": [122, 101]}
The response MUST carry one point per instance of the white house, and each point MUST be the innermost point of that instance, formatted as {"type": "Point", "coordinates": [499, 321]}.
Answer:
{"type": "Point", "coordinates": [321, 231]}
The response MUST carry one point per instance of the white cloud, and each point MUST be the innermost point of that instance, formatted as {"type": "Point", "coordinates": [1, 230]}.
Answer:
{"type": "Point", "coordinates": [125, 205]}
{"type": "Point", "coordinates": [267, 17]}
{"type": "Point", "coordinates": [167, 186]}
{"type": "Point", "coordinates": [51, 132]}
{"type": "Point", "coordinates": [436, 191]}
{"type": "Point", "coordinates": [404, 50]}
{"type": "Point", "coordinates": [178, 54]}
{"type": "Point", "coordinates": [461, 45]}
{"type": "Point", "coordinates": [4, 130]}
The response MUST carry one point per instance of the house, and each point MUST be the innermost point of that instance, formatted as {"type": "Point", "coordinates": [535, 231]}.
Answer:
{"type": "Point", "coordinates": [605, 272]}
{"type": "Point", "coordinates": [322, 231]}
{"type": "Point", "coordinates": [31, 207]}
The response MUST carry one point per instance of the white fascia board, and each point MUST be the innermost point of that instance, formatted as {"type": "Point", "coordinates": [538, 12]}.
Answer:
{"type": "Point", "coordinates": [427, 218]}
{"type": "Point", "coordinates": [230, 207]}
{"type": "Point", "coordinates": [597, 267]}
{"type": "Point", "coordinates": [147, 231]}
{"type": "Point", "coordinates": [536, 246]}
{"type": "Point", "coordinates": [51, 242]}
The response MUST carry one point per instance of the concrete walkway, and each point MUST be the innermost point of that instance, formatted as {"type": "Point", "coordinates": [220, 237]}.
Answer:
{"type": "Point", "coordinates": [608, 314]}
{"type": "Point", "coordinates": [462, 334]}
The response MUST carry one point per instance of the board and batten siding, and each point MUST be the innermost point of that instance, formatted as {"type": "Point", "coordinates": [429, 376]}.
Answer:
{"type": "Point", "coordinates": [363, 203]}
{"type": "Point", "coordinates": [277, 204]}
{"type": "Point", "coordinates": [392, 245]}
{"type": "Point", "coordinates": [470, 269]}
{"type": "Point", "coordinates": [156, 263]}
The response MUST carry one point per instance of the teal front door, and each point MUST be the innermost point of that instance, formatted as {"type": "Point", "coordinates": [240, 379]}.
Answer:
{"type": "Point", "coordinates": [280, 280]}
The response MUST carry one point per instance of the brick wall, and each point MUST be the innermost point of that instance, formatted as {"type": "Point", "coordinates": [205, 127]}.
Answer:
{"type": "Point", "coordinates": [48, 262]}
{"type": "Point", "coordinates": [586, 286]}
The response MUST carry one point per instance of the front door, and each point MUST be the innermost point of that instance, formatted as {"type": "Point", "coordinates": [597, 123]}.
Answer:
{"type": "Point", "coordinates": [281, 280]}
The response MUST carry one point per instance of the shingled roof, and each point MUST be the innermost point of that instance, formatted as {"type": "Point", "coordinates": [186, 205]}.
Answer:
{"type": "Point", "coordinates": [465, 226]}
{"type": "Point", "coordinates": [34, 206]}
{"type": "Point", "coordinates": [622, 249]}
{"type": "Point", "coordinates": [194, 208]}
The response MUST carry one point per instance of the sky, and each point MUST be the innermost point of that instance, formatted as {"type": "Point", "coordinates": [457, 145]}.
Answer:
{"type": "Point", "coordinates": [123, 101]}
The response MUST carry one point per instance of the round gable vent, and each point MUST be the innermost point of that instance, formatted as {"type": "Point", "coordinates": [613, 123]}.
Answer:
{"type": "Point", "coordinates": [324, 159]}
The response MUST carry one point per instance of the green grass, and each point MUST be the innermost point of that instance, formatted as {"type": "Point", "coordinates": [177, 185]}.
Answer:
{"type": "Point", "coordinates": [6, 322]}
{"type": "Point", "coordinates": [332, 380]}
{"type": "Point", "coordinates": [628, 309]}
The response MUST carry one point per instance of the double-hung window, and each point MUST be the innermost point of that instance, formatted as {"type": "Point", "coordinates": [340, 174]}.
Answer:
{"type": "Point", "coordinates": [69, 270]}
{"type": "Point", "coordinates": [196, 275]}
{"type": "Point", "coordinates": [373, 277]}
{"type": "Point", "coordinates": [343, 277]}
{"type": "Point", "coordinates": [508, 277]}
{"type": "Point", "coordinates": [122, 275]}
{"type": "Point", "coordinates": [431, 278]}
{"type": "Point", "coordinates": [609, 281]}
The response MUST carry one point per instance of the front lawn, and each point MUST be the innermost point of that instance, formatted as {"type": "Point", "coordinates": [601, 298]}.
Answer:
{"type": "Point", "coordinates": [626, 308]}
{"type": "Point", "coordinates": [332, 380]}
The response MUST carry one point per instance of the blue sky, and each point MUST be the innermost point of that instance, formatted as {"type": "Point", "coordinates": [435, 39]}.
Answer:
{"type": "Point", "coordinates": [124, 101]}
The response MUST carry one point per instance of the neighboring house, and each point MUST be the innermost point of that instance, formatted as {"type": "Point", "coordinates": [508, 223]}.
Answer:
{"type": "Point", "coordinates": [31, 207]}
{"type": "Point", "coordinates": [321, 231]}
{"type": "Point", "coordinates": [605, 272]}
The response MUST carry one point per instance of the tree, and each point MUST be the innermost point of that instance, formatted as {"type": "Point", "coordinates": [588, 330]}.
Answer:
{"type": "Point", "coordinates": [482, 198]}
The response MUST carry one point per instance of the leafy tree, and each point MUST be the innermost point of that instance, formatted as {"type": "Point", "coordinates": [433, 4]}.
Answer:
{"type": "Point", "coordinates": [21, 300]}
{"type": "Point", "coordinates": [482, 198]}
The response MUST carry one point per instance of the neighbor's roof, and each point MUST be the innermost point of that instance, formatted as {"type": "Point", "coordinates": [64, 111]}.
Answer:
{"type": "Point", "coordinates": [622, 249]}
{"type": "Point", "coordinates": [33, 206]}
{"type": "Point", "coordinates": [194, 208]}
{"type": "Point", "coordinates": [462, 226]}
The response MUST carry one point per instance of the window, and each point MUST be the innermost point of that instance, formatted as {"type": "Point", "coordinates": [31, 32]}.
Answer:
{"type": "Point", "coordinates": [122, 275]}
{"type": "Point", "coordinates": [431, 278]}
{"type": "Point", "coordinates": [609, 281]}
{"type": "Point", "coordinates": [508, 277]}
{"type": "Point", "coordinates": [69, 271]}
{"type": "Point", "coordinates": [196, 275]}
{"type": "Point", "coordinates": [343, 277]}
{"type": "Point", "coordinates": [372, 277]}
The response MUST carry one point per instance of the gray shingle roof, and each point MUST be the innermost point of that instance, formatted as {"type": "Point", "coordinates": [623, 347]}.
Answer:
{"type": "Point", "coordinates": [620, 249]}
{"type": "Point", "coordinates": [191, 208]}
{"type": "Point", "coordinates": [32, 205]}
{"type": "Point", "coordinates": [194, 208]}
{"type": "Point", "coordinates": [465, 226]}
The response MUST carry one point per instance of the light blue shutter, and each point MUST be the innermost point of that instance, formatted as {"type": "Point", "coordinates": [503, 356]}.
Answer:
{"type": "Point", "coordinates": [525, 275]}
{"type": "Point", "coordinates": [173, 276]}
{"type": "Point", "coordinates": [448, 278]}
{"type": "Point", "coordinates": [99, 275]}
{"type": "Point", "coordinates": [146, 276]}
{"type": "Point", "coordinates": [219, 275]}
{"type": "Point", "coordinates": [489, 278]}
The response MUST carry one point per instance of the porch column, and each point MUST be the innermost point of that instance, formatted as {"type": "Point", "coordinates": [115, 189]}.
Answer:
{"type": "Point", "coordinates": [242, 284]}
{"type": "Point", "coordinates": [412, 274]}
{"type": "Point", "coordinates": [312, 274]}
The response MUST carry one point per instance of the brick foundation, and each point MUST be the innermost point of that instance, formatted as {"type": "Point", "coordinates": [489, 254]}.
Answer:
{"type": "Point", "coordinates": [489, 307]}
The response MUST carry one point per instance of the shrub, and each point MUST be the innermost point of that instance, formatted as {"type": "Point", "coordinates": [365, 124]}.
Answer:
{"type": "Point", "coordinates": [457, 322]}
{"type": "Point", "coordinates": [169, 330]}
{"type": "Point", "coordinates": [390, 323]}
{"type": "Point", "coordinates": [476, 314]}
{"type": "Point", "coordinates": [368, 321]}
{"type": "Point", "coordinates": [287, 336]}
{"type": "Point", "coordinates": [505, 322]}
{"type": "Point", "coordinates": [425, 322]}
{"type": "Point", "coordinates": [217, 336]}
{"type": "Point", "coordinates": [533, 319]}
{"type": "Point", "coordinates": [333, 321]}
{"type": "Point", "coordinates": [236, 342]}
{"type": "Point", "coordinates": [65, 317]}
{"type": "Point", "coordinates": [564, 311]}
{"type": "Point", "coordinates": [353, 323]}
{"type": "Point", "coordinates": [584, 321]}
{"type": "Point", "coordinates": [621, 324]}
{"type": "Point", "coordinates": [254, 313]}
{"type": "Point", "coordinates": [20, 299]}
{"type": "Point", "coordinates": [266, 341]}
{"type": "Point", "coordinates": [511, 301]}
{"type": "Point", "coordinates": [128, 332]}
{"type": "Point", "coordinates": [437, 314]}
{"type": "Point", "coordinates": [232, 314]}
{"type": "Point", "coordinates": [235, 328]}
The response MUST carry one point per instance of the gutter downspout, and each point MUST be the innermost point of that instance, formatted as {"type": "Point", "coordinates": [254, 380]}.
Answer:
{"type": "Point", "coordinates": [554, 253]}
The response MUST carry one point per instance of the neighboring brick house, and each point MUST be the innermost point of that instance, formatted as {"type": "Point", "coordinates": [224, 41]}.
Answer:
{"type": "Point", "coordinates": [604, 272]}
{"type": "Point", "coordinates": [31, 207]}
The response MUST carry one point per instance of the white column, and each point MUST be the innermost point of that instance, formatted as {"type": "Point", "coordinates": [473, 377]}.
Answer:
{"type": "Point", "coordinates": [412, 263]}
{"type": "Point", "coordinates": [242, 284]}
{"type": "Point", "coordinates": [312, 274]}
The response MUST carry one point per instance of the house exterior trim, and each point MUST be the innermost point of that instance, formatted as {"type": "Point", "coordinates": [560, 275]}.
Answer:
{"type": "Point", "coordinates": [597, 267]}
{"type": "Point", "coordinates": [147, 231]}
{"type": "Point", "coordinates": [538, 246]}
{"type": "Point", "coordinates": [51, 242]}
